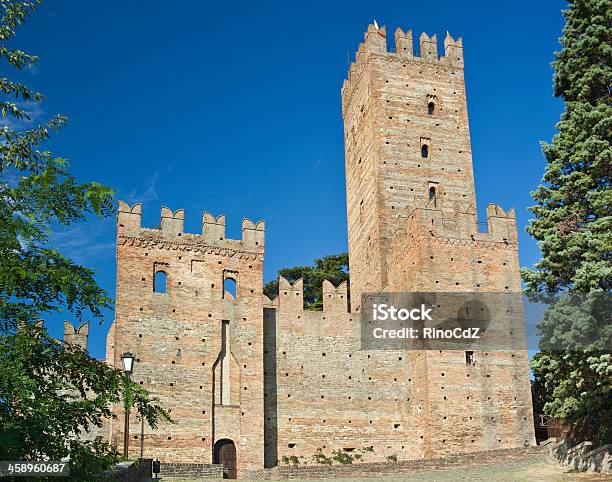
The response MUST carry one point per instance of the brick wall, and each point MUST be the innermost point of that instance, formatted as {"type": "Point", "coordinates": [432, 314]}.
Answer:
{"type": "Point", "coordinates": [170, 470]}
{"type": "Point", "coordinates": [330, 472]}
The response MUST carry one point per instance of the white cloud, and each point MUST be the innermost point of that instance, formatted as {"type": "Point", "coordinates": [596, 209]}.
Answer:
{"type": "Point", "coordinates": [86, 241]}
{"type": "Point", "coordinates": [34, 111]}
{"type": "Point", "coordinates": [149, 193]}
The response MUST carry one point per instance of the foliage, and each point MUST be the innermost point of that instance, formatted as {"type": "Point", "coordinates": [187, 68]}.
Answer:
{"type": "Point", "coordinates": [52, 394]}
{"type": "Point", "coordinates": [292, 459]}
{"type": "Point", "coordinates": [333, 268]}
{"type": "Point", "coordinates": [573, 213]}
{"type": "Point", "coordinates": [320, 458]}
{"type": "Point", "coordinates": [572, 220]}
{"type": "Point", "coordinates": [539, 394]}
{"type": "Point", "coordinates": [578, 322]}
{"type": "Point", "coordinates": [37, 192]}
{"type": "Point", "coordinates": [577, 386]}
{"type": "Point", "coordinates": [392, 458]}
{"type": "Point", "coordinates": [342, 457]}
{"type": "Point", "coordinates": [573, 373]}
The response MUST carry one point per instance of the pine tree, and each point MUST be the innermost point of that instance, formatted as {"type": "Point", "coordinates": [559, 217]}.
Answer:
{"type": "Point", "coordinates": [573, 225]}
{"type": "Point", "coordinates": [573, 215]}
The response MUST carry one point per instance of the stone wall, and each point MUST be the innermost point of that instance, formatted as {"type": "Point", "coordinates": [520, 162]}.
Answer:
{"type": "Point", "coordinates": [582, 456]}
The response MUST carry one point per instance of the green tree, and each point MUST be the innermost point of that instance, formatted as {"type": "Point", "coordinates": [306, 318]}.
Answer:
{"type": "Point", "coordinates": [50, 394]}
{"type": "Point", "coordinates": [333, 268]}
{"type": "Point", "coordinates": [573, 225]}
{"type": "Point", "coordinates": [37, 192]}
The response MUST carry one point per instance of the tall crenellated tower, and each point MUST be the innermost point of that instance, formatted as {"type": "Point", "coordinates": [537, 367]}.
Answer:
{"type": "Point", "coordinates": [406, 138]}
{"type": "Point", "coordinates": [413, 227]}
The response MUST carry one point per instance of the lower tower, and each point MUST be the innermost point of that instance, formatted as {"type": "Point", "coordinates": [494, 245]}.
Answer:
{"type": "Point", "coordinates": [189, 307]}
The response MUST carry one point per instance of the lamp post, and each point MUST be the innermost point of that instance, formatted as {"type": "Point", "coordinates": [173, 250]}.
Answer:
{"type": "Point", "coordinates": [127, 360]}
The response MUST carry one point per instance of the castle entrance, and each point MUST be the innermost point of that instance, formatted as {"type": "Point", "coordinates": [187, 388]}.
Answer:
{"type": "Point", "coordinates": [224, 452]}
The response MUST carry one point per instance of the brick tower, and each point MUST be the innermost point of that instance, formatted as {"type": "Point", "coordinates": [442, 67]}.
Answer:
{"type": "Point", "coordinates": [413, 227]}
{"type": "Point", "coordinates": [406, 138]}
{"type": "Point", "coordinates": [198, 346]}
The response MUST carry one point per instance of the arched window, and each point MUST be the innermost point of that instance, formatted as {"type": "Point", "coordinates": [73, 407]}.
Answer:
{"type": "Point", "coordinates": [159, 285]}
{"type": "Point", "coordinates": [229, 288]}
{"type": "Point", "coordinates": [431, 108]}
{"type": "Point", "coordinates": [432, 194]}
{"type": "Point", "coordinates": [425, 151]}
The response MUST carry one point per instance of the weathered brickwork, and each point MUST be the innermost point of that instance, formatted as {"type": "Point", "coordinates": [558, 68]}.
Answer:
{"type": "Point", "coordinates": [282, 382]}
{"type": "Point", "coordinates": [176, 335]}
{"type": "Point", "coordinates": [410, 466]}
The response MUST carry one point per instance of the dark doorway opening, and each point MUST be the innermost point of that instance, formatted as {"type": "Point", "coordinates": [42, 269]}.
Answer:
{"type": "Point", "coordinates": [224, 452]}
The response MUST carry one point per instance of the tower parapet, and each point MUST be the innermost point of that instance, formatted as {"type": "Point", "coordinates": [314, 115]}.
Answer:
{"type": "Point", "coordinates": [403, 42]}
{"type": "Point", "coordinates": [375, 43]}
{"type": "Point", "coordinates": [172, 222]}
{"type": "Point", "coordinates": [213, 229]}
{"type": "Point", "coordinates": [459, 221]}
{"type": "Point", "coordinates": [453, 50]}
{"type": "Point", "coordinates": [171, 229]}
{"type": "Point", "coordinates": [76, 336]}
{"type": "Point", "coordinates": [428, 46]}
{"type": "Point", "coordinates": [129, 218]}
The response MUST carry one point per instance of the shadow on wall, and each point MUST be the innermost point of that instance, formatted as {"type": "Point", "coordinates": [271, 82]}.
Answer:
{"type": "Point", "coordinates": [270, 400]}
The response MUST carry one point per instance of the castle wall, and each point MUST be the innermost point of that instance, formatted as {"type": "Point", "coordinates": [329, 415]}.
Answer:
{"type": "Point", "coordinates": [325, 392]}
{"type": "Point", "coordinates": [488, 405]}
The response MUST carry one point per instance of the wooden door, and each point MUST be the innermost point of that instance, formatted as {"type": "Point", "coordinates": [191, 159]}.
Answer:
{"type": "Point", "coordinates": [225, 453]}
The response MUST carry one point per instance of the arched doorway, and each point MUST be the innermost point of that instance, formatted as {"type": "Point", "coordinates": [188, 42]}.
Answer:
{"type": "Point", "coordinates": [224, 452]}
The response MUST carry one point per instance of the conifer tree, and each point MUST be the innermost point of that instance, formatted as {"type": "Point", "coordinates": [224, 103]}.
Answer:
{"type": "Point", "coordinates": [573, 225]}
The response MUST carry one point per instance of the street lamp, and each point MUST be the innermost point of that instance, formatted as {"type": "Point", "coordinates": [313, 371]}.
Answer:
{"type": "Point", "coordinates": [127, 360]}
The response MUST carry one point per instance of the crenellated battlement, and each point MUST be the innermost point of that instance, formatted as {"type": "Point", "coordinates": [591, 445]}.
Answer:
{"type": "Point", "coordinates": [171, 228]}
{"type": "Point", "coordinates": [335, 298]}
{"type": "Point", "coordinates": [76, 335]}
{"type": "Point", "coordinates": [290, 299]}
{"type": "Point", "coordinates": [375, 42]}
{"type": "Point", "coordinates": [458, 221]}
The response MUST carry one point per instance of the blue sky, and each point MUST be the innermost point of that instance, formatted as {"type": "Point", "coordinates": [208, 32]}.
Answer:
{"type": "Point", "coordinates": [234, 107]}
